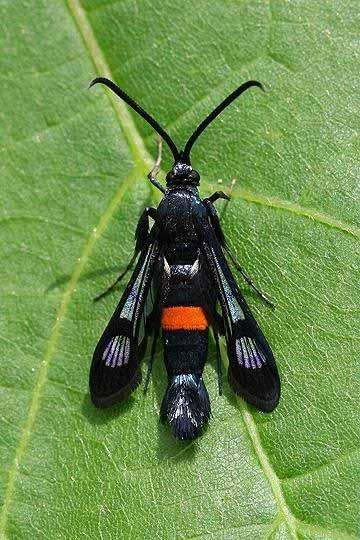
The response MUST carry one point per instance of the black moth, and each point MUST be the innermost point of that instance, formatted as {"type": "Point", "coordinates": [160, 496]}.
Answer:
{"type": "Point", "coordinates": [182, 284]}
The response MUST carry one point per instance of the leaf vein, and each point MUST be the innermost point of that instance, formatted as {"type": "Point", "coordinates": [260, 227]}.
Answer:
{"type": "Point", "coordinates": [140, 154]}
{"type": "Point", "coordinates": [323, 466]}
{"type": "Point", "coordinates": [330, 534]}
{"type": "Point", "coordinates": [269, 472]}
{"type": "Point", "coordinates": [280, 204]}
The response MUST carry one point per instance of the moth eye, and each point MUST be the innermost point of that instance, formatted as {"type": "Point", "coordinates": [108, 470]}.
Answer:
{"type": "Point", "coordinates": [194, 175]}
{"type": "Point", "coordinates": [170, 176]}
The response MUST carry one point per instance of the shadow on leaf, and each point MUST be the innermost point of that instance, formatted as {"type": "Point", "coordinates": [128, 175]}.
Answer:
{"type": "Point", "coordinates": [170, 448]}
{"type": "Point", "coordinates": [86, 276]}
{"type": "Point", "coordinates": [98, 416]}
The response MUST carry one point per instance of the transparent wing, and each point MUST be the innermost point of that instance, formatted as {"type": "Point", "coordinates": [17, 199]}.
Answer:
{"type": "Point", "coordinates": [252, 369]}
{"type": "Point", "coordinates": [115, 368]}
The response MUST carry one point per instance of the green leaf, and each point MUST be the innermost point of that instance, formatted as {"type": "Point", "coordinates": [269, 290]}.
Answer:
{"type": "Point", "coordinates": [73, 167]}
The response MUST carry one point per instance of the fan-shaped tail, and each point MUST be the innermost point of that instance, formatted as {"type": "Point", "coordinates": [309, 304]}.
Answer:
{"type": "Point", "coordinates": [186, 406]}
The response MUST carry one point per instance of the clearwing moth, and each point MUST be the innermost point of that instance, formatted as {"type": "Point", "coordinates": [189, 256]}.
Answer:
{"type": "Point", "coordinates": [182, 284]}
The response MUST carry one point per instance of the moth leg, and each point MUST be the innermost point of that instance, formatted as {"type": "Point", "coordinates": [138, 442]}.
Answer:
{"type": "Point", "coordinates": [213, 216]}
{"type": "Point", "coordinates": [142, 231]}
{"type": "Point", "coordinates": [248, 280]}
{"type": "Point", "coordinates": [113, 285]}
{"type": "Point", "coordinates": [154, 171]}
{"type": "Point", "coordinates": [152, 356]}
{"type": "Point", "coordinates": [218, 363]}
{"type": "Point", "coordinates": [142, 228]}
{"type": "Point", "coordinates": [217, 195]}
{"type": "Point", "coordinates": [214, 219]}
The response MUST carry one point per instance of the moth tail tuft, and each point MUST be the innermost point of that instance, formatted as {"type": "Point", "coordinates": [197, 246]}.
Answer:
{"type": "Point", "coordinates": [186, 406]}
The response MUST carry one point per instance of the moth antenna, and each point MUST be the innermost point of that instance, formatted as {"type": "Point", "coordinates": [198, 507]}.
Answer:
{"type": "Point", "coordinates": [149, 119]}
{"type": "Point", "coordinates": [215, 113]}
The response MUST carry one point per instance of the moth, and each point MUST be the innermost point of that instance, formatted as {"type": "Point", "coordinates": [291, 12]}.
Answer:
{"type": "Point", "coordinates": [181, 286]}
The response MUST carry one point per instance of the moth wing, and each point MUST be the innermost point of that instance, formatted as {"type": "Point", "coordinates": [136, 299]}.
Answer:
{"type": "Point", "coordinates": [252, 368]}
{"type": "Point", "coordinates": [115, 370]}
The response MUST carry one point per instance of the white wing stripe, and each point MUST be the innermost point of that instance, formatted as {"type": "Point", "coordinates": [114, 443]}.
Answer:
{"type": "Point", "coordinates": [254, 354]}
{"type": "Point", "coordinates": [248, 353]}
{"type": "Point", "coordinates": [236, 313]}
{"type": "Point", "coordinates": [116, 352]}
{"type": "Point", "coordinates": [127, 352]}
{"type": "Point", "coordinates": [239, 352]}
{"type": "Point", "coordinates": [133, 298]}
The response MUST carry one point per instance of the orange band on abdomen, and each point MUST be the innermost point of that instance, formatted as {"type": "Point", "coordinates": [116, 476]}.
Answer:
{"type": "Point", "coordinates": [184, 318]}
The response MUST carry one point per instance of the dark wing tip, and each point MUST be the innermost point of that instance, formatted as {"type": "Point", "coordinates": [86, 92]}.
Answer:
{"type": "Point", "coordinates": [266, 400]}
{"type": "Point", "coordinates": [106, 397]}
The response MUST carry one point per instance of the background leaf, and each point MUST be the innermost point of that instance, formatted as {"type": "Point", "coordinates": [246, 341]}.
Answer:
{"type": "Point", "coordinates": [73, 167]}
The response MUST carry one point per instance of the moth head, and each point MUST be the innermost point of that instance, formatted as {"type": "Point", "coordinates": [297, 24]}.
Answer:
{"type": "Point", "coordinates": [182, 174]}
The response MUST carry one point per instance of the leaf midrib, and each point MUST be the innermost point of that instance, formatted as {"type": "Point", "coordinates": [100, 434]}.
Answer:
{"type": "Point", "coordinates": [140, 154]}
{"type": "Point", "coordinates": [137, 144]}
{"type": "Point", "coordinates": [142, 162]}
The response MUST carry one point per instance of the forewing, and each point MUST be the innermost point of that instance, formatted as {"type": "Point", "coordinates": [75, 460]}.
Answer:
{"type": "Point", "coordinates": [252, 369]}
{"type": "Point", "coordinates": [115, 368]}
